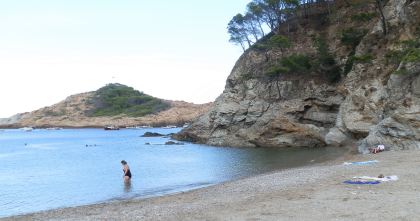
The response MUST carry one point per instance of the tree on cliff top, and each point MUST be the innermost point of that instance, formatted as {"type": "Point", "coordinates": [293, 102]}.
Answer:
{"type": "Point", "coordinates": [269, 15]}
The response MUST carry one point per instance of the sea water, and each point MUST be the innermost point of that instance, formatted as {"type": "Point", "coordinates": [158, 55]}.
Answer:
{"type": "Point", "coordinates": [47, 169]}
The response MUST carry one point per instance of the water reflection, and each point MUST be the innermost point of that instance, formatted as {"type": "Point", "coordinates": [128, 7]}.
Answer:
{"type": "Point", "coordinates": [127, 186]}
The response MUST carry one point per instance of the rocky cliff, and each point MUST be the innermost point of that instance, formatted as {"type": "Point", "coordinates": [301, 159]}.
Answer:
{"type": "Point", "coordinates": [377, 100]}
{"type": "Point", "coordinates": [75, 111]}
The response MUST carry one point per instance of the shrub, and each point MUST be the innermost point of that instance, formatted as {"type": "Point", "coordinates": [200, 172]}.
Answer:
{"type": "Point", "coordinates": [352, 36]}
{"type": "Point", "coordinates": [410, 52]}
{"type": "Point", "coordinates": [279, 41]}
{"type": "Point", "coordinates": [412, 55]}
{"type": "Point", "coordinates": [289, 65]}
{"type": "Point", "coordinates": [272, 41]}
{"type": "Point", "coordinates": [349, 62]}
{"type": "Point", "coordinates": [402, 71]}
{"type": "Point", "coordinates": [115, 99]}
{"type": "Point", "coordinates": [367, 58]}
{"type": "Point", "coordinates": [334, 74]}
{"type": "Point", "coordinates": [326, 61]}
{"type": "Point", "coordinates": [394, 57]}
{"type": "Point", "coordinates": [363, 17]}
{"type": "Point", "coordinates": [296, 63]}
{"type": "Point", "coordinates": [276, 70]}
{"type": "Point", "coordinates": [413, 43]}
{"type": "Point", "coordinates": [324, 55]}
{"type": "Point", "coordinates": [260, 46]}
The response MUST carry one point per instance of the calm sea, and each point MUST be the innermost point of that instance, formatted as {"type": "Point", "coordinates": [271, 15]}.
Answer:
{"type": "Point", "coordinates": [47, 169]}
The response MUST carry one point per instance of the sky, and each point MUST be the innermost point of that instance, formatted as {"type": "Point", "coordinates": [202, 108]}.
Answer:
{"type": "Point", "coordinates": [51, 49]}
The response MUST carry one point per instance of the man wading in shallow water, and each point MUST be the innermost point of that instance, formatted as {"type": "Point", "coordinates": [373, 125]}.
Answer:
{"type": "Point", "coordinates": [127, 172]}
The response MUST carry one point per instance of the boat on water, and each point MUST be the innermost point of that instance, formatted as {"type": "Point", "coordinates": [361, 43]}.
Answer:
{"type": "Point", "coordinates": [27, 129]}
{"type": "Point", "coordinates": [111, 128]}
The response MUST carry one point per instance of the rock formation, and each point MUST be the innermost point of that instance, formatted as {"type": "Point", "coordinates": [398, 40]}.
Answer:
{"type": "Point", "coordinates": [73, 112]}
{"type": "Point", "coordinates": [370, 104]}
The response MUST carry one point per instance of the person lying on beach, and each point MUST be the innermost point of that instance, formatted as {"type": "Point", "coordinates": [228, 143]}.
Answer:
{"type": "Point", "coordinates": [127, 172]}
{"type": "Point", "coordinates": [377, 149]}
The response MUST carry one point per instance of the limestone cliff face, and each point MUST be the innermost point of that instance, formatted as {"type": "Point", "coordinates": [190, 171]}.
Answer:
{"type": "Point", "coordinates": [72, 112]}
{"type": "Point", "coordinates": [386, 107]}
{"type": "Point", "coordinates": [369, 105]}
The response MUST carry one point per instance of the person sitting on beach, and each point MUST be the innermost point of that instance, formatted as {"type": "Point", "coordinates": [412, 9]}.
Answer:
{"type": "Point", "coordinates": [377, 149]}
{"type": "Point", "coordinates": [127, 172]}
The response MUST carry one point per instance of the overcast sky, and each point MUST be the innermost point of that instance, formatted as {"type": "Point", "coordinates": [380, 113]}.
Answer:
{"type": "Point", "coordinates": [50, 49]}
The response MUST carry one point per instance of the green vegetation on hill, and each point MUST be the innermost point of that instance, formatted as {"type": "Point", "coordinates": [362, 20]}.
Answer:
{"type": "Point", "coordinates": [115, 99]}
{"type": "Point", "coordinates": [409, 52]}
{"type": "Point", "coordinates": [271, 25]}
{"type": "Point", "coordinates": [263, 17]}
{"type": "Point", "coordinates": [322, 62]}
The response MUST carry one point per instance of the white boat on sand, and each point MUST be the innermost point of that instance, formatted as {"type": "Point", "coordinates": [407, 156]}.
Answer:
{"type": "Point", "coordinates": [27, 129]}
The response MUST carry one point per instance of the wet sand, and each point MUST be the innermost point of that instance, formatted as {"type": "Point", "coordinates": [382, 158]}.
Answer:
{"type": "Point", "coordinates": [313, 192]}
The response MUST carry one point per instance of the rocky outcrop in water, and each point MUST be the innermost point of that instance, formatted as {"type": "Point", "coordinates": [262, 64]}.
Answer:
{"type": "Point", "coordinates": [371, 104]}
{"type": "Point", "coordinates": [152, 134]}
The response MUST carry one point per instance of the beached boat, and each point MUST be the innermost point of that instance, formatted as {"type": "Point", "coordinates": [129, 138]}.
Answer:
{"type": "Point", "coordinates": [111, 128]}
{"type": "Point", "coordinates": [143, 126]}
{"type": "Point", "coordinates": [53, 128]}
{"type": "Point", "coordinates": [27, 129]}
{"type": "Point", "coordinates": [169, 127]}
{"type": "Point", "coordinates": [138, 127]}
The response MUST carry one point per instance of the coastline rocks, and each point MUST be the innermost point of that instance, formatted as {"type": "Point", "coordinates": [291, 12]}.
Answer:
{"type": "Point", "coordinates": [152, 134]}
{"type": "Point", "coordinates": [166, 143]}
{"type": "Point", "coordinates": [258, 113]}
{"type": "Point", "coordinates": [370, 105]}
{"type": "Point", "coordinates": [335, 137]}
{"type": "Point", "coordinates": [394, 135]}
{"type": "Point", "coordinates": [11, 120]}
{"type": "Point", "coordinates": [173, 143]}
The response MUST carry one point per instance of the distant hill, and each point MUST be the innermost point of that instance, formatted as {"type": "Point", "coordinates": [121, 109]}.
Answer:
{"type": "Point", "coordinates": [116, 99]}
{"type": "Point", "coordinates": [113, 104]}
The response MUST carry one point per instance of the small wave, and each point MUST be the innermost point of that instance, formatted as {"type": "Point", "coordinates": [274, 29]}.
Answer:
{"type": "Point", "coordinates": [161, 191]}
{"type": "Point", "coordinates": [44, 146]}
{"type": "Point", "coordinates": [7, 155]}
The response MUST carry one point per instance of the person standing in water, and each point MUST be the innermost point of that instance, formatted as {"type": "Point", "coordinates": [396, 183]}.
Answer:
{"type": "Point", "coordinates": [127, 172]}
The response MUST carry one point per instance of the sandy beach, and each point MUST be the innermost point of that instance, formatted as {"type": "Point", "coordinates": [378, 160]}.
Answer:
{"type": "Point", "coordinates": [313, 192]}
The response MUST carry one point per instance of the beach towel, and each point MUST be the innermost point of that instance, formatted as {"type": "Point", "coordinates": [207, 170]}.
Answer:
{"type": "Point", "coordinates": [384, 179]}
{"type": "Point", "coordinates": [361, 163]}
{"type": "Point", "coordinates": [361, 182]}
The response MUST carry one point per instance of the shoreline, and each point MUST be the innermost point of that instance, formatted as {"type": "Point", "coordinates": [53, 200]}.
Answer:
{"type": "Point", "coordinates": [2, 127]}
{"type": "Point", "coordinates": [313, 192]}
{"type": "Point", "coordinates": [345, 153]}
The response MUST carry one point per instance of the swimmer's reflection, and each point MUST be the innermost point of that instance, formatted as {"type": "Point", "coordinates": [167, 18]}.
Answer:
{"type": "Point", "coordinates": [127, 186]}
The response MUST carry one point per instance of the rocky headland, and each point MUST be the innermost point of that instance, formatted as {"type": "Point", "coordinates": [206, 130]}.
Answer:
{"type": "Point", "coordinates": [81, 110]}
{"type": "Point", "coordinates": [370, 94]}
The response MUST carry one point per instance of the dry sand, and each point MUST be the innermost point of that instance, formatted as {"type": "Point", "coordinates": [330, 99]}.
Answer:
{"type": "Point", "coordinates": [310, 193]}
